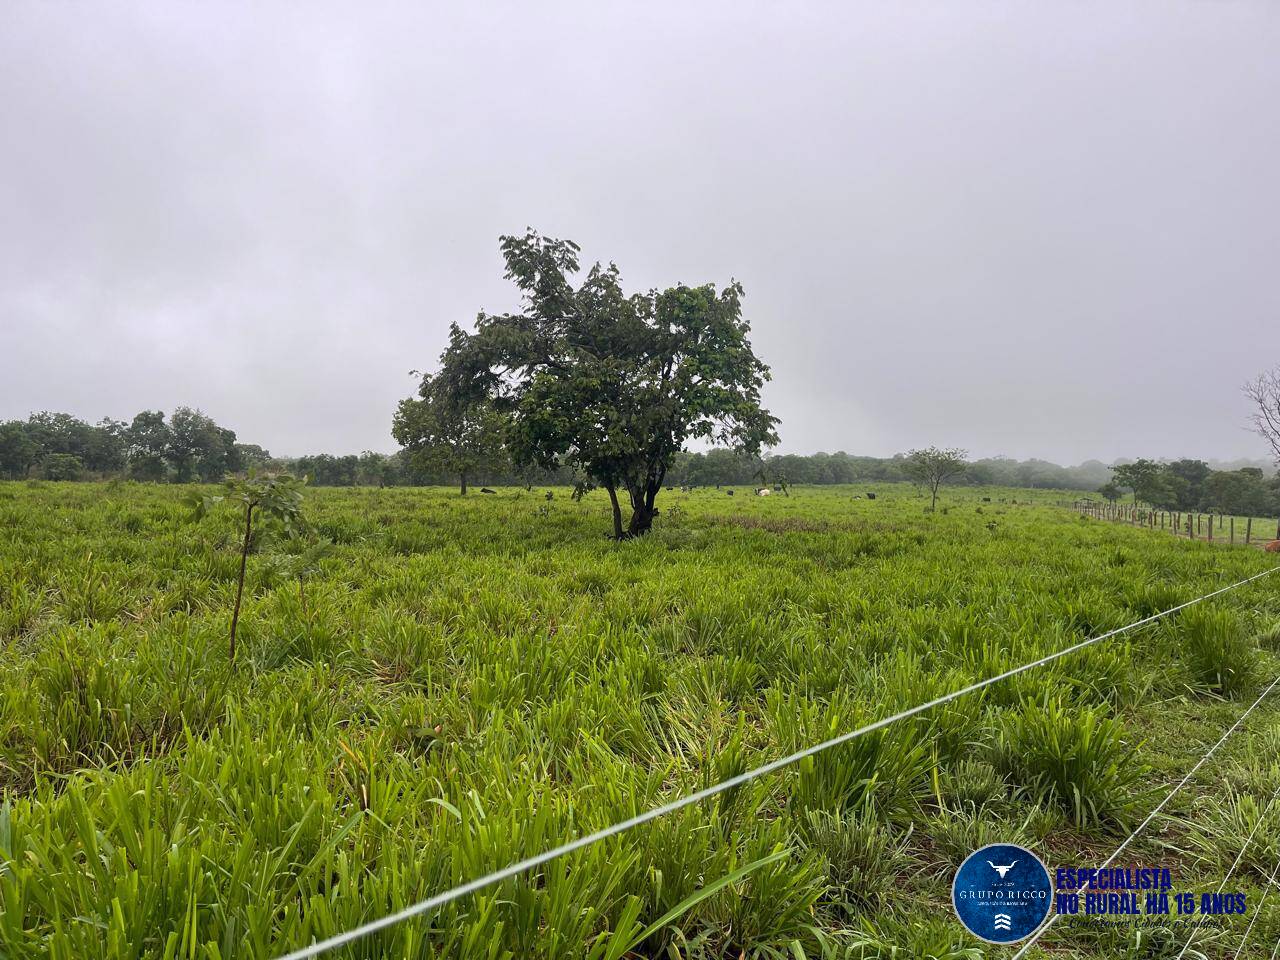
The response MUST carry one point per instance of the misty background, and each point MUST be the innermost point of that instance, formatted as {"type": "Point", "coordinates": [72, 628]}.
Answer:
{"type": "Point", "coordinates": [1038, 230]}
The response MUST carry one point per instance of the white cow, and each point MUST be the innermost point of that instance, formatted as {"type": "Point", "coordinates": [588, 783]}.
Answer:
{"type": "Point", "coordinates": [763, 492]}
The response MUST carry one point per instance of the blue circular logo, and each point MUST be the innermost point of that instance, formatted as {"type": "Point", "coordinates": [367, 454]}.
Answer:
{"type": "Point", "coordinates": [1002, 893]}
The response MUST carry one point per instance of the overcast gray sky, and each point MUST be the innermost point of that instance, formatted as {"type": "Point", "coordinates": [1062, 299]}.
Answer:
{"type": "Point", "coordinates": [1037, 229]}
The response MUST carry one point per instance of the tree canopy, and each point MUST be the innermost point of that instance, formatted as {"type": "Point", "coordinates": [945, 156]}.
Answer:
{"type": "Point", "coordinates": [612, 384]}
{"type": "Point", "coordinates": [445, 431]}
{"type": "Point", "coordinates": [934, 466]}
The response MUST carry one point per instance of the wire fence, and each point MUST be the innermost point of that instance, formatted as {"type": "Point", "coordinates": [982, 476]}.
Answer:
{"type": "Point", "coordinates": [1235, 863]}
{"type": "Point", "coordinates": [1193, 524]}
{"type": "Point", "coordinates": [1154, 813]}
{"type": "Point", "coordinates": [433, 903]}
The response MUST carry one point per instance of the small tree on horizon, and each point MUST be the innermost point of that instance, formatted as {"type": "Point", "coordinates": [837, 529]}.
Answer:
{"type": "Point", "coordinates": [934, 466]}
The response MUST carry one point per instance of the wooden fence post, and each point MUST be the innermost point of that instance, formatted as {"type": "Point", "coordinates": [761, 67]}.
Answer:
{"type": "Point", "coordinates": [1211, 528]}
{"type": "Point", "coordinates": [1248, 531]}
{"type": "Point", "coordinates": [1233, 531]}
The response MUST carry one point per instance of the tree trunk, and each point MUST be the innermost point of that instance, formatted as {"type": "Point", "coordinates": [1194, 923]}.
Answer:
{"type": "Point", "coordinates": [933, 507]}
{"type": "Point", "coordinates": [617, 512]}
{"type": "Point", "coordinates": [244, 557]}
{"type": "Point", "coordinates": [462, 479]}
{"type": "Point", "coordinates": [642, 508]}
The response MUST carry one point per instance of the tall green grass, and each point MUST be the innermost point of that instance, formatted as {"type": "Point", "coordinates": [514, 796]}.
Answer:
{"type": "Point", "coordinates": [466, 682]}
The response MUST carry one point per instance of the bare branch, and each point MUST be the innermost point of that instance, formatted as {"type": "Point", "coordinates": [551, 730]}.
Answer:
{"type": "Point", "coordinates": [1264, 392]}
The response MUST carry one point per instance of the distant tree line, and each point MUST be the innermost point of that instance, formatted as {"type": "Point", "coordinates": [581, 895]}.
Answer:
{"type": "Point", "coordinates": [1194, 485]}
{"type": "Point", "coordinates": [189, 446]}
{"type": "Point", "coordinates": [724, 467]}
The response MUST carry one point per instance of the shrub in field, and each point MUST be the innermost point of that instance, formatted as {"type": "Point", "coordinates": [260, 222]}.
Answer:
{"type": "Point", "coordinates": [760, 918]}
{"type": "Point", "coordinates": [85, 713]}
{"type": "Point", "coordinates": [861, 854]}
{"type": "Point", "coordinates": [1269, 637]}
{"type": "Point", "coordinates": [1235, 828]}
{"type": "Point", "coordinates": [273, 497]}
{"type": "Point", "coordinates": [1217, 650]}
{"type": "Point", "coordinates": [62, 466]}
{"type": "Point", "coordinates": [1129, 942]}
{"type": "Point", "coordinates": [973, 784]}
{"type": "Point", "coordinates": [909, 940]}
{"type": "Point", "coordinates": [888, 769]}
{"type": "Point", "coordinates": [955, 832]}
{"type": "Point", "coordinates": [1076, 758]}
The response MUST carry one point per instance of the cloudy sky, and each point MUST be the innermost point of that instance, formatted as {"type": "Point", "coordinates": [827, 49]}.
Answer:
{"type": "Point", "coordinates": [1033, 229]}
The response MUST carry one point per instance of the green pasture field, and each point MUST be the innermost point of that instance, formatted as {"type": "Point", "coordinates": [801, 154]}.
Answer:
{"type": "Point", "coordinates": [465, 682]}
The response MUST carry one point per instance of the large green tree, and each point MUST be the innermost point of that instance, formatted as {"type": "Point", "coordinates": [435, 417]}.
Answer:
{"type": "Point", "coordinates": [1145, 478]}
{"type": "Point", "coordinates": [17, 450]}
{"type": "Point", "coordinates": [106, 447]}
{"type": "Point", "coordinates": [148, 440]}
{"type": "Point", "coordinates": [458, 433]}
{"type": "Point", "coordinates": [200, 449]}
{"type": "Point", "coordinates": [612, 384]}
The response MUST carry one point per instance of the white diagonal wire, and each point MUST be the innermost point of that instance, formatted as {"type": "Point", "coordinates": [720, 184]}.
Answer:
{"type": "Point", "coordinates": [1160, 806]}
{"type": "Point", "coordinates": [514, 869]}
{"type": "Point", "coordinates": [1256, 913]}
{"type": "Point", "coordinates": [1239, 857]}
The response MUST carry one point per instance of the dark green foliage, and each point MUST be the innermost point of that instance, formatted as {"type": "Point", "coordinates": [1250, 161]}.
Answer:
{"type": "Point", "coordinates": [1145, 478]}
{"type": "Point", "coordinates": [1076, 757]}
{"type": "Point", "coordinates": [1218, 651]}
{"type": "Point", "coordinates": [1193, 485]}
{"type": "Point", "coordinates": [449, 432]}
{"type": "Point", "coordinates": [200, 449]}
{"type": "Point", "coordinates": [62, 466]}
{"type": "Point", "coordinates": [148, 440]}
{"type": "Point", "coordinates": [611, 384]}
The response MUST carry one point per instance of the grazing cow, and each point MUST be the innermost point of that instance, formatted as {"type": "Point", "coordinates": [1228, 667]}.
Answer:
{"type": "Point", "coordinates": [763, 492]}
{"type": "Point", "coordinates": [729, 492]}
{"type": "Point", "coordinates": [1272, 547]}
{"type": "Point", "coordinates": [870, 495]}
{"type": "Point", "coordinates": [487, 490]}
